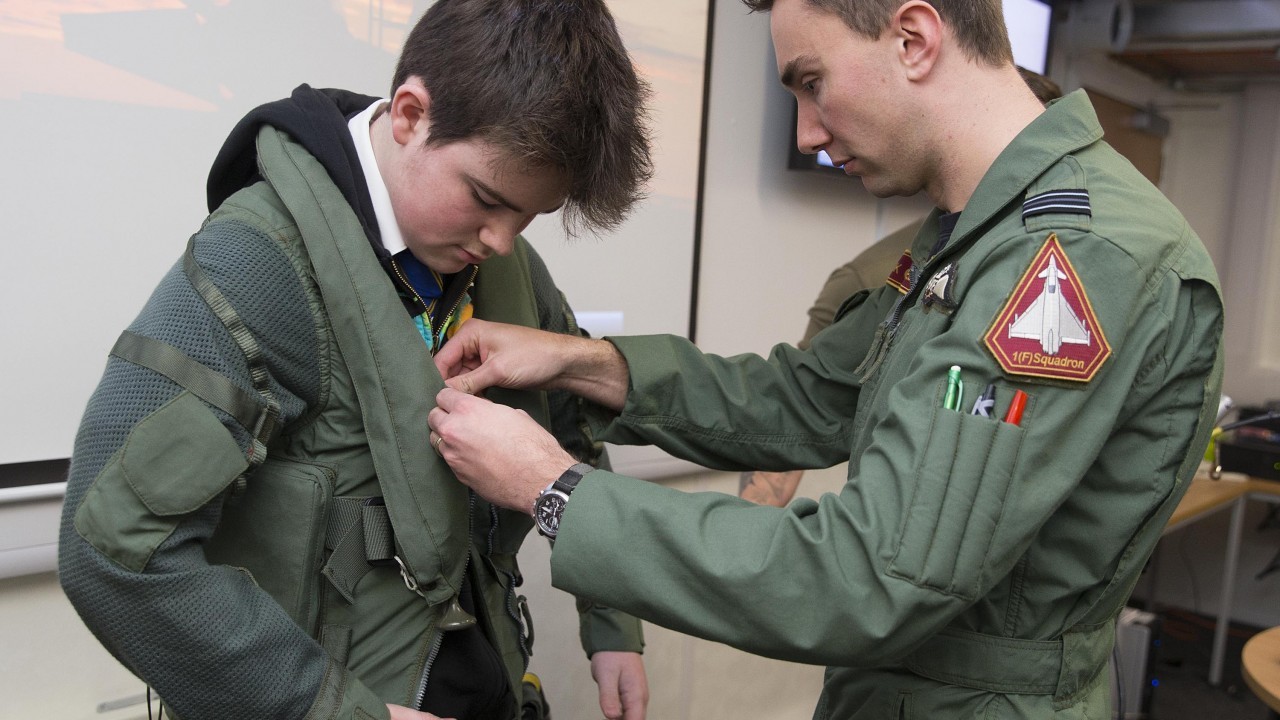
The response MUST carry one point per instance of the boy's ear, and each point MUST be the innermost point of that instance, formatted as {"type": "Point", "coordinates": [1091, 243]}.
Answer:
{"type": "Point", "coordinates": [411, 113]}
{"type": "Point", "coordinates": [919, 33]}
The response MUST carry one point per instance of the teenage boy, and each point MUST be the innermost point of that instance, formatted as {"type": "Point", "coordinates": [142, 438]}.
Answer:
{"type": "Point", "coordinates": [256, 523]}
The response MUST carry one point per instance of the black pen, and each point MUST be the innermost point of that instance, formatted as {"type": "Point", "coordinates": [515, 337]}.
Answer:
{"type": "Point", "coordinates": [986, 402]}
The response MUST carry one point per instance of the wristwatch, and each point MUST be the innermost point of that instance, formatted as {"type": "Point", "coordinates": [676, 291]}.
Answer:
{"type": "Point", "coordinates": [549, 507]}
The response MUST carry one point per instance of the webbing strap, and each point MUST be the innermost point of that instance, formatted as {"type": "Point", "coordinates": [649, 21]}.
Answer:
{"type": "Point", "coordinates": [360, 536]}
{"type": "Point", "coordinates": [202, 382]}
{"type": "Point", "coordinates": [1015, 666]}
{"type": "Point", "coordinates": [265, 428]}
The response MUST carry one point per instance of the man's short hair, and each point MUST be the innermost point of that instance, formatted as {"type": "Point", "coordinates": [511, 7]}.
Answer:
{"type": "Point", "coordinates": [978, 24]}
{"type": "Point", "coordinates": [549, 84]}
{"type": "Point", "coordinates": [1044, 88]}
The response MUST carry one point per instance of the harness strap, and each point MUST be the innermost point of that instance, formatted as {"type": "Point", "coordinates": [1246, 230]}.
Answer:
{"type": "Point", "coordinates": [361, 538]}
{"type": "Point", "coordinates": [1061, 668]}
{"type": "Point", "coordinates": [266, 425]}
{"type": "Point", "coordinates": [202, 382]}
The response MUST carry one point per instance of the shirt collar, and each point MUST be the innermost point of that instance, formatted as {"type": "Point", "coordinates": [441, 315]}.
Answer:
{"type": "Point", "coordinates": [392, 240]}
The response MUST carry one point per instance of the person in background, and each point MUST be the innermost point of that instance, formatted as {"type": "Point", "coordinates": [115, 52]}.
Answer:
{"type": "Point", "coordinates": [870, 268]}
{"type": "Point", "coordinates": [1018, 426]}
{"type": "Point", "coordinates": [256, 523]}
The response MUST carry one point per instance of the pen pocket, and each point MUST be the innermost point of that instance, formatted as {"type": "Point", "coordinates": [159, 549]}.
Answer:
{"type": "Point", "coordinates": [960, 492]}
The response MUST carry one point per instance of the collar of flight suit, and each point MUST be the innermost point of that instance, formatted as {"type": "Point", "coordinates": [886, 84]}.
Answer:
{"type": "Point", "coordinates": [1066, 126]}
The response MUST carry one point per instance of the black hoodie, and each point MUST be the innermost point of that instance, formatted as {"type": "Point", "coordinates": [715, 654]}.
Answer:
{"type": "Point", "coordinates": [315, 119]}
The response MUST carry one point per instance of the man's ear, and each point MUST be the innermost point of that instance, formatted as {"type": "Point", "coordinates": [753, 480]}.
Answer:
{"type": "Point", "coordinates": [919, 32]}
{"type": "Point", "coordinates": [411, 113]}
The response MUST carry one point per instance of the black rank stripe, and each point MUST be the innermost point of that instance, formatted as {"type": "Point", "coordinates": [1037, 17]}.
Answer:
{"type": "Point", "coordinates": [1072, 202]}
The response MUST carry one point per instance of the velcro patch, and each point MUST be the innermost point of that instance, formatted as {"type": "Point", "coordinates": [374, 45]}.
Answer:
{"type": "Point", "coordinates": [1047, 328]}
{"type": "Point", "coordinates": [900, 278]}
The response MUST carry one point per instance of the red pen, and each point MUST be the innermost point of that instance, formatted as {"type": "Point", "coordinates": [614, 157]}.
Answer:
{"type": "Point", "coordinates": [1014, 415]}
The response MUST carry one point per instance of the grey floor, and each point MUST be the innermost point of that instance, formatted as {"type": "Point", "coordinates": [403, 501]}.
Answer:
{"type": "Point", "coordinates": [1181, 669]}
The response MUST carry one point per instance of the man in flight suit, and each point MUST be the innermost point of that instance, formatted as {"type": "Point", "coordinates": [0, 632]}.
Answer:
{"type": "Point", "coordinates": [975, 562]}
{"type": "Point", "coordinates": [870, 268]}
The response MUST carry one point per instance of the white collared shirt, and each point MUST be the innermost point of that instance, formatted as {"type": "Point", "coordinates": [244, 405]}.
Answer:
{"type": "Point", "coordinates": [392, 240]}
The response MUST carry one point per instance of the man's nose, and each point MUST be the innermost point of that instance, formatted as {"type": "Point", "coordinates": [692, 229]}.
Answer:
{"type": "Point", "coordinates": [811, 134]}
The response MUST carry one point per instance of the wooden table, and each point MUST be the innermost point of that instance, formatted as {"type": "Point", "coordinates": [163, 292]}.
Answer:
{"type": "Point", "coordinates": [1261, 664]}
{"type": "Point", "coordinates": [1206, 497]}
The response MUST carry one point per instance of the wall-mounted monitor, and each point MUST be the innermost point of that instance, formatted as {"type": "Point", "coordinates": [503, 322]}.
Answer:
{"type": "Point", "coordinates": [1029, 23]}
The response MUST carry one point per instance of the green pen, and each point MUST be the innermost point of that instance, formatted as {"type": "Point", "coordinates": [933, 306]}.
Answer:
{"type": "Point", "coordinates": [955, 389]}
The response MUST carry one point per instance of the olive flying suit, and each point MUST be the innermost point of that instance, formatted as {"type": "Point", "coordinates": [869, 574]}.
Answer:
{"type": "Point", "coordinates": [970, 567]}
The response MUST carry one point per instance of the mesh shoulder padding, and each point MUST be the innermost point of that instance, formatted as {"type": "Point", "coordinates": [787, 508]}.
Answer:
{"type": "Point", "coordinates": [204, 636]}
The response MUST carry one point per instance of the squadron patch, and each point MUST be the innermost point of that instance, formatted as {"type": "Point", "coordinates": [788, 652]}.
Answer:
{"type": "Point", "coordinates": [900, 278]}
{"type": "Point", "coordinates": [1047, 328]}
{"type": "Point", "coordinates": [939, 292]}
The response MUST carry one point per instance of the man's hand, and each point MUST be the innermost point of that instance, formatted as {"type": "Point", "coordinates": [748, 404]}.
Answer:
{"type": "Point", "coordinates": [400, 712]}
{"type": "Point", "coordinates": [624, 689]}
{"type": "Point", "coordinates": [498, 451]}
{"type": "Point", "coordinates": [487, 354]}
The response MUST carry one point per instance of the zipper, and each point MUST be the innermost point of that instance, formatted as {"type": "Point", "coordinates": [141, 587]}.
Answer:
{"type": "Point", "coordinates": [462, 288]}
{"type": "Point", "coordinates": [438, 640]}
{"type": "Point", "coordinates": [887, 330]}
{"type": "Point", "coordinates": [426, 670]}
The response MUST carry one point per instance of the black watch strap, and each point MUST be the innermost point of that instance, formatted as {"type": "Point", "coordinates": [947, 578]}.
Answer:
{"type": "Point", "coordinates": [568, 480]}
{"type": "Point", "coordinates": [549, 507]}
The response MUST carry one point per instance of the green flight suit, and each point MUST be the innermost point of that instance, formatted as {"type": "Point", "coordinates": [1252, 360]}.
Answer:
{"type": "Point", "coordinates": [969, 567]}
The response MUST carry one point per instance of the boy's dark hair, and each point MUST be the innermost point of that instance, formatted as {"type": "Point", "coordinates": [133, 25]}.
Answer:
{"type": "Point", "coordinates": [547, 81]}
{"type": "Point", "coordinates": [978, 24]}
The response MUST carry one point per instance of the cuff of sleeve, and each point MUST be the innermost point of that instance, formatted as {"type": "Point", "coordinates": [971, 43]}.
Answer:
{"type": "Point", "coordinates": [650, 365]}
{"type": "Point", "coordinates": [605, 629]}
{"type": "Point", "coordinates": [343, 697]}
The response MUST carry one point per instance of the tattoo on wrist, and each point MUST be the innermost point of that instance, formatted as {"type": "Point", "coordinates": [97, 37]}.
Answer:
{"type": "Point", "coordinates": [744, 480]}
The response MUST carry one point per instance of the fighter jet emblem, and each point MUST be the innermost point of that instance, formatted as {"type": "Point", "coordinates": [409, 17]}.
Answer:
{"type": "Point", "coordinates": [939, 291]}
{"type": "Point", "coordinates": [1050, 319]}
{"type": "Point", "coordinates": [1048, 328]}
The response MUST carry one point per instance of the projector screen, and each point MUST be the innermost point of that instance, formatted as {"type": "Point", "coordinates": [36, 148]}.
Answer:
{"type": "Point", "coordinates": [113, 110]}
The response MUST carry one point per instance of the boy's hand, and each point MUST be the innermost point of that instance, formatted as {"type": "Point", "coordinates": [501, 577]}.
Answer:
{"type": "Point", "coordinates": [624, 688]}
{"type": "Point", "coordinates": [399, 712]}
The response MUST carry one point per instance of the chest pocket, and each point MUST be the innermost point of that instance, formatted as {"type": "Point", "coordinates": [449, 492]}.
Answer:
{"type": "Point", "coordinates": [955, 510]}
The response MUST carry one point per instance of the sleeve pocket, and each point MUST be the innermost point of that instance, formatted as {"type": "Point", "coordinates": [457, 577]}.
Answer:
{"type": "Point", "coordinates": [960, 493]}
{"type": "Point", "coordinates": [174, 462]}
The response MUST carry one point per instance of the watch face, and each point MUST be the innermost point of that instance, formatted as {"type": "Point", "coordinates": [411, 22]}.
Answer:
{"type": "Point", "coordinates": [547, 512]}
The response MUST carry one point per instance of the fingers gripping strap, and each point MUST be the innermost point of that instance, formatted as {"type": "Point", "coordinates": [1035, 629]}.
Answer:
{"type": "Point", "coordinates": [265, 426]}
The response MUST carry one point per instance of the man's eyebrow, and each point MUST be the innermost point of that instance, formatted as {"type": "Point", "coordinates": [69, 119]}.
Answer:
{"type": "Point", "coordinates": [792, 69]}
